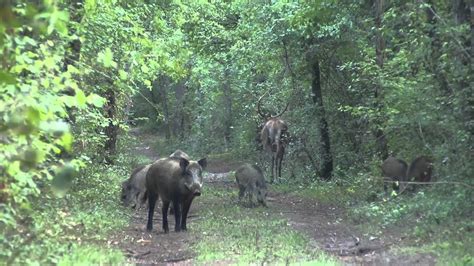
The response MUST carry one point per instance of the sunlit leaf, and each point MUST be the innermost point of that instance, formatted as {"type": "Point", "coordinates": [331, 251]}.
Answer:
{"type": "Point", "coordinates": [96, 100]}
{"type": "Point", "coordinates": [81, 98]}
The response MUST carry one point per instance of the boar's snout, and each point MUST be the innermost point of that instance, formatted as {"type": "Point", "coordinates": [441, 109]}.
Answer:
{"type": "Point", "coordinates": [194, 188]}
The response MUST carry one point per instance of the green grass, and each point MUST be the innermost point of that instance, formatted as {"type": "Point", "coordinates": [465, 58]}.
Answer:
{"type": "Point", "coordinates": [91, 255]}
{"type": "Point", "coordinates": [239, 235]}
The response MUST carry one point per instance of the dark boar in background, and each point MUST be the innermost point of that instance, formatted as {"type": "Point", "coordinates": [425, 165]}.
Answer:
{"type": "Point", "coordinates": [176, 180]}
{"type": "Point", "coordinates": [394, 169]}
{"type": "Point", "coordinates": [134, 189]}
{"type": "Point", "coordinates": [179, 154]}
{"type": "Point", "coordinates": [420, 169]}
{"type": "Point", "coordinates": [250, 181]}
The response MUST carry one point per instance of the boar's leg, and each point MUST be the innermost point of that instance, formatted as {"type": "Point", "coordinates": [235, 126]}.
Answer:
{"type": "Point", "coordinates": [186, 205]}
{"type": "Point", "coordinates": [164, 213]}
{"type": "Point", "coordinates": [241, 192]}
{"type": "Point", "coordinates": [152, 197]}
{"type": "Point", "coordinates": [177, 215]}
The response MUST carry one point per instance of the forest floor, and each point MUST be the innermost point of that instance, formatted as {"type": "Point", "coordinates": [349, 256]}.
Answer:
{"type": "Point", "coordinates": [324, 225]}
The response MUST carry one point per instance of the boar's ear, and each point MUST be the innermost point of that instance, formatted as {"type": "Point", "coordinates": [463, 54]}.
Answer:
{"type": "Point", "coordinates": [183, 163]}
{"type": "Point", "coordinates": [203, 163]}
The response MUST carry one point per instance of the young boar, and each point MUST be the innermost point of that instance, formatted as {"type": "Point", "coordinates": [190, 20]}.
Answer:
{"type": "Point", "coordinates": [251, 181]}
{"type": "Point", "coordinates": [394, 169]}
{"type": "Point", "coordinates": [176, 180]}
{"type": "Point", "coordinates": [420, 169]}
{"type": "Point", "coordinates": [133, 189]}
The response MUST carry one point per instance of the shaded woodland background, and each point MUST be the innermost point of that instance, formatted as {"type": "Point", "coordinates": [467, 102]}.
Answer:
{"type": "Point", "coordinates": [363, 79]}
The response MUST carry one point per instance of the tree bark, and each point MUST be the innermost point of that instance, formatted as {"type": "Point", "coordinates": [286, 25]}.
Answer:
{"type": "Point", "coordinates": [435, 48]}
{"type": "Point", "coordinates": [326, 156]}
{"type": "Point", "coordinates": [227, 100]}
{"type": "Point", "coordinates": [111, 131]}
{"type": "Point", "coordinates": [463, 14]}
{"type": "Point", "coordinates": [381, 141]}
{"type": "Point", "coordinates": [178, 117]}
{"type": "Point", "coordinates": [73, 51]}
{"type": "Point", "coordinates": [159, 85]}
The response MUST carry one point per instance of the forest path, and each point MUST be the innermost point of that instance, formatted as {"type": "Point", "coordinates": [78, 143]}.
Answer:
{"type": "Point", "coordinates": [323, 224]}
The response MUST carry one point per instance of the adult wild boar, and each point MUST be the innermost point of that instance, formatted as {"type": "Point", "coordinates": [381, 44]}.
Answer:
{"type": "Point", "coordinates": [394, 169]}
{"type": "Point", "coordinates": [133, 189]}
{"type": "Point", "coordinates": [420, 169]}
{"type": "Point", "coordinates": [179, 154]}
{"type": "Point", "coordinates": [176, 180]}
{"type": "Point", "coordinates": [251, 181]}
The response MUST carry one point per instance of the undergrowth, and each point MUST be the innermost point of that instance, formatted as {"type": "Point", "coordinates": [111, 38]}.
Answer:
{"type": "Point", "coordinates": [74, 229]}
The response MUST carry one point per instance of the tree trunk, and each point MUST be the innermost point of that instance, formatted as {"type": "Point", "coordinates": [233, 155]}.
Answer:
{"type": "Point", "coordinates": [381, 141]}
{"type": "Point", "coordinates": [159, 86]}
{"type": "Point", "coordinates": [111, 130]}
{"type": "Point", "coordinates": [326, 156]}
{"type": "Point", "coordinates": [227, 100]}
{"type": "Point", "coordinates": [435, 48]}
{"type": "Point", "coordinates": [73, 50]}
{"type": "Point", "coordinates": [178, 117]}
{"type": "Point", "coordinates": [463, 11]}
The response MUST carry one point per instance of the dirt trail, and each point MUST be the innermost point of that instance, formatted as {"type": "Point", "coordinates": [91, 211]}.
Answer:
{"type": "Point", "coordinates": [321, 223]}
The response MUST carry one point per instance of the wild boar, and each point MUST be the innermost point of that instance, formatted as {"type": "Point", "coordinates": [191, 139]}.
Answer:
{"type": "Point", "coordinates": [394, 169]}
{"type": "Point", "coordinates": [133, 189]}
{"type": "Point", "coordinates": [179, 154]}
{"type": "Point", "coordinates": [250, 180]}
{"type": "Point", "coordinates": [420, 169]}
{"type": "Point", "coordinates": [176, 180]}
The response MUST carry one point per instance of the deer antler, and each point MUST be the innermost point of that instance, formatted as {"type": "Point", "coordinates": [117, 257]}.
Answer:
{"type": "Point", "coordinates": [259, 111]}
{"type": "Point", "coordinates": [282, 112]}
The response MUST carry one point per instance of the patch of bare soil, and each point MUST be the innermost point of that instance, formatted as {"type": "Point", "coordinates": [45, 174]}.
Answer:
{"type": "Point", "coordinates": [325, 226]}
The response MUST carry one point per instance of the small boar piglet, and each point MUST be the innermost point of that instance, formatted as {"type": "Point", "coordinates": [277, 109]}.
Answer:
{"type": "Point", "coordinates": [251, 181]}
{"type": "Point", "coordinates": [133, 189]}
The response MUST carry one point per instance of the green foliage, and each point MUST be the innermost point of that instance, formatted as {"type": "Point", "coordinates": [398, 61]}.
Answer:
{"type": "Point", "coordinates": [73, 76]}
{"type": "Point", "coordinates": [36, 139]}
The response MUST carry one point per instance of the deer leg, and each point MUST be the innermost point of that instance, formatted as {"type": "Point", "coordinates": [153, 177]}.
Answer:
{"type": "Point", "coordinates": [273, 168]}
{"type": "Point", "coordinates": [280, 160]}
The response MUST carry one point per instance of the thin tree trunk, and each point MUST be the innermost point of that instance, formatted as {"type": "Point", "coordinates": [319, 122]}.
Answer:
{"type": "Point", "coordinates": [111, 130]}
{"type": "Point", "coordinates": [381, 141]}
{"type": "Point", "coordinates": [178, 117]}
{"type": "Point", "coordinates": [160, 85]}
{"type": "Point", "coordinates": [435, 48]}
{"type": "Point", "coordinates": [326, 156]}
{"type": "Point", "coordinates": [463, 11]}
{"type": "Point", "coordinates": [227, 100]}
{"type": "Point", "coordinates": [73, 51]}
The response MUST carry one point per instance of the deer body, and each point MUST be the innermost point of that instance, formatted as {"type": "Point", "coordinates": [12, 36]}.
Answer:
{"type": "Point", "coordinates": [273, 139]}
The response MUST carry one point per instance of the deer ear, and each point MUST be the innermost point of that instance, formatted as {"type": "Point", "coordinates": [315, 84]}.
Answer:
{"type": "Point", "coordinates": [203, 163]}
{"type": "Point", "coordinates": [183, 163]}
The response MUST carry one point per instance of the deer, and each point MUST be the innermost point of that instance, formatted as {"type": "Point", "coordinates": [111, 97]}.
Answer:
{"type": "Point", "coordinates": [273, 136]}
